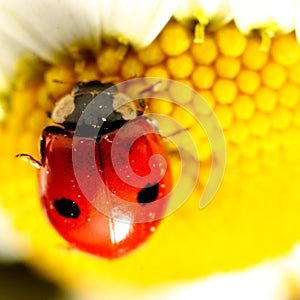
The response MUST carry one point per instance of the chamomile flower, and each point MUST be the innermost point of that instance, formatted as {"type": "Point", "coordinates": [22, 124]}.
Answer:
{"type": "Point", "coordinates": [238, 246]}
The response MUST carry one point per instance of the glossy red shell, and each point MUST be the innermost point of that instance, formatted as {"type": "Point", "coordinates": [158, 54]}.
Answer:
{"type": "Point", "coordinates": [92, 231]}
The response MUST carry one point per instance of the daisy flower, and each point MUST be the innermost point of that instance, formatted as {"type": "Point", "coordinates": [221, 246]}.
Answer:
{"type": "Point", "coordinates": [244, 61]}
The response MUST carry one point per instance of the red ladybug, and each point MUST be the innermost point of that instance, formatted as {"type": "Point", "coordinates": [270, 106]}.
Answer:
{"type": "Point", "coordinates": [86, 213]}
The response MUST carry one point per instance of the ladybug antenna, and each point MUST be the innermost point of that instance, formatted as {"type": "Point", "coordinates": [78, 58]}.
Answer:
{"type": "Point", "coordinates": [30, 159]}
{"type": "Point", "coordinates": [62, 82]}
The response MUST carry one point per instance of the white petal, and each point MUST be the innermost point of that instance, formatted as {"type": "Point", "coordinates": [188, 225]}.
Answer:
{"type": "Point", "coordinates": [13, 245]}
{"type": "Point", "coordinates": [49, 28]}
{"type": "Point", "coordinates": [216, 11]}
{"type": "Point", "coordinates": [260, 283]}
{"type": "Point", "coordinates": [297, 19]}
{"type": "Point", "coordinates": [263, 14]}
{"type": "Point", "coordinates": [135, 21]}
{"type": "Point", "coordinates": [11, 51]}
{"type": "Point", "coordinates": [264, 282]}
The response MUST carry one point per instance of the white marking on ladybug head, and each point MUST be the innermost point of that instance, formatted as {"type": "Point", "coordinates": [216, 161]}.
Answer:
{"type": "Point", "coordinates": [63, 108]}
{"type": "Point", "coordinates": [125, 106]}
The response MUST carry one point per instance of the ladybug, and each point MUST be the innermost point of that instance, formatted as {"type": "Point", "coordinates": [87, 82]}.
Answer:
{"type": "Point", "coordinates": [82, 199]}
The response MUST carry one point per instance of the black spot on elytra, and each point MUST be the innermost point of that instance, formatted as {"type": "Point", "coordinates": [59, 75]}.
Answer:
{"type": "Point", "coordinates": [148, 194]}
{"type": "Point", "coordinates": [67, 208]}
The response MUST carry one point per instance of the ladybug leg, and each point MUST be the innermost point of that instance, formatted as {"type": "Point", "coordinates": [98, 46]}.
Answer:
{"type": "Point", "coordinates": [151, 88]}
{"type": "Point", "coordinates": [177, 132]}
{"type": "Point", "coordinates": [30, 159]}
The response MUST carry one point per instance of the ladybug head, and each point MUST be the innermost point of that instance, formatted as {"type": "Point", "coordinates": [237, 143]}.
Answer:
{"type": "Point", "coordinates": [94, 105]}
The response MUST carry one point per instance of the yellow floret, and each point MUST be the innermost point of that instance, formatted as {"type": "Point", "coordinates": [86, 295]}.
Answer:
{"type": "Point", "coordinates": [265, 99]}
{"type": "Point", "coordinates": [270, 143]}
{"type": "Point", "coordinates": [206, 52]}
{"type": "Point", "coordinates": [294, 73]}
{"type": "Point", "coordinates": [44, 101]}
{"type": "Point", "coordinates": [289, 95]}
{"type": "Point", "coordinates": [59, 80]}
{"type": "Point", "coordinates": [248, 81]}
{"type": "Point", "coordinates": [259, 124]}
{"type": "Point", "coordinates": [175, 40]}
{"type": "Point", "coordinates": [253, 58]}
{"type": "Point", "coordinates": [180, 66]}
{"type": "Point", "coordinates": [184, 117]}
{"type": "Point", "coordinates": [204, 151]}
{"type": "Point", "coordinates": [157, 71]}
{"type": "Point", "coordinates": [161, 106]}
{"type": "Point", "coordinates": [109, 61]}
{"type": "Point", "coordinates": [231, 42]}
{"type": "Point", "coordinates": [151, 55]}
{"type": "Point", "coordinates": [89, 72]}
{"type": "Point", "coordinates": [209, 98]}
{"type": "Point", "coordinates": [281, 118]}
{"type": "Point", "coordinates": [238, 132]}
{"type": "Point", "coordinates": [250, 148]}
{"type": "Point", "coordinates": [249, 166]}
{"type": "Point", "coordinates": [296, 117]}
{"type": "Point", "coordinates": [25, 96]}
{"type": "Point", "coordinates": [273, 75]}
{"type": "Point", "coordinates": [225, 115]}
{"type": "Point", "coordinates": [279, 50]}
{"type": "Point", "coordinates": [225, 91]}
{"type": "Point", "coordinates": [243, 107]}
{"type": "Point", "coordinates": [227, 67]}
{"type": "Point", "coordinates": [132, 67]}
{"type": "Point", "coordinates": [203, 77]}
{"type": "Point", "coordinates": [38, 116]}
{"type": "Point", "coordinates": [182, 96]}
